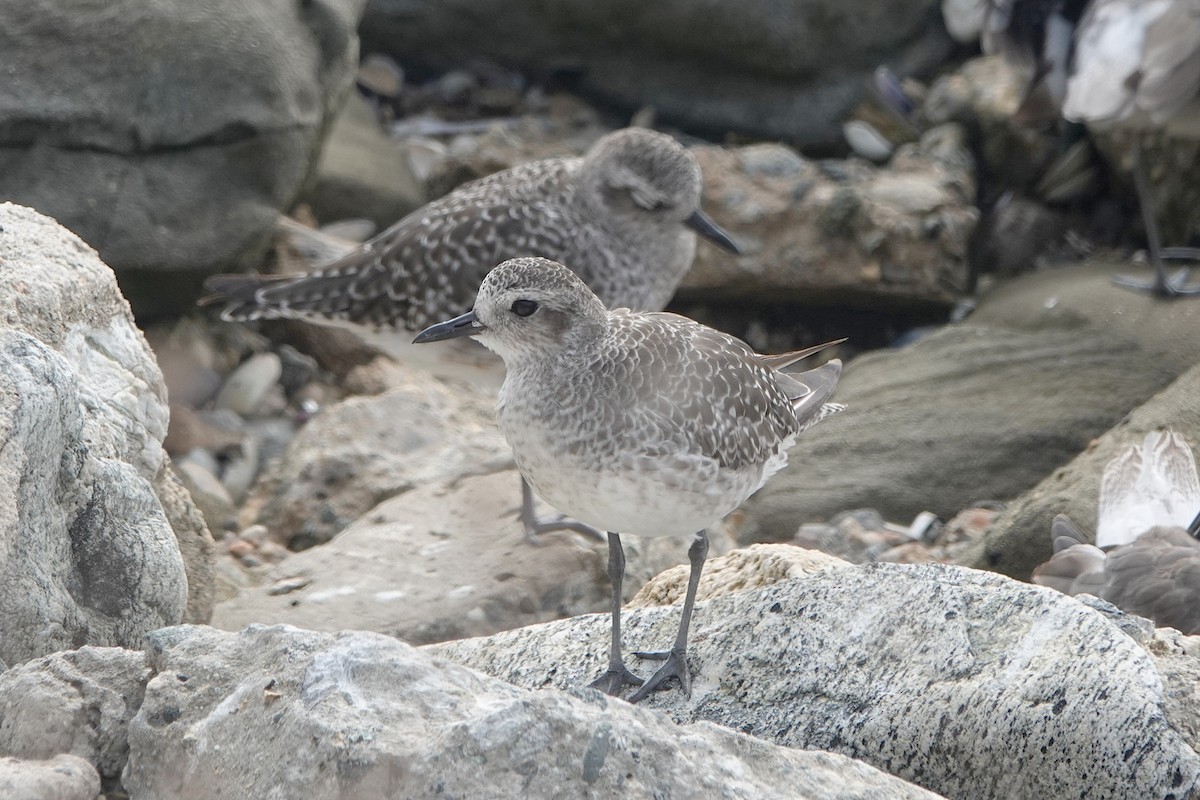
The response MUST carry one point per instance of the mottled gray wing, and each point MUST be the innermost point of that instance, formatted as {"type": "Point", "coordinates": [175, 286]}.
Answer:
{"type": "Point", "coordinates": [1158, 576]}
{"type": "Point", "coordinates": [694, 392]}
{"type": "Point", "coordinates": [428, 266]}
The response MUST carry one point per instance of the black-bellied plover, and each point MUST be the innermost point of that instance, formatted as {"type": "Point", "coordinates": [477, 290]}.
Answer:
{"type": "Point", "coordinates": [642, 423]}
{"type": "Point", "coordinates": [1129, 63]}
{"type": "Point", "coordinates": [1146, 559]}
{"type": "Point", "coordinates": [619, 216]}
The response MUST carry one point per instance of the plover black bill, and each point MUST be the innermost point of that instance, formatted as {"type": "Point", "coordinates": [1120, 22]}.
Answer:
{"type": "Point", "coordinates": [641, 423]}
{"type": "Point", "coordinates": [623, 216]}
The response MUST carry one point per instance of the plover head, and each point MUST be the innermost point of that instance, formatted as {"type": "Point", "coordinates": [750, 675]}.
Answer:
{"type": "Point", "coordinates": [645, 178]}
{"type": "Point", "coordinates": [527, 308]}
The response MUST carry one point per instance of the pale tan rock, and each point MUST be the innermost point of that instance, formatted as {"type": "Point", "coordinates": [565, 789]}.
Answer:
{"type": "Point", "coordinates": [745, 568]}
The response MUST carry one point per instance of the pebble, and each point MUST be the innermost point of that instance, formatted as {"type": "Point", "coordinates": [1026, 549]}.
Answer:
{"type": "Point", "coordinates": [250, 384]}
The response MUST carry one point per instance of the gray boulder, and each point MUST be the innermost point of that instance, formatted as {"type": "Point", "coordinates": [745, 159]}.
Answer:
{"type": "Point", "coordinates": [964, 682]}
{"type": "Point", "coordinates": [281, 712]}
{"type": "Point", "coordinates": [986, 409]}
{"type": "Point", "coordinates": [359, 452]}
{"type": "Point", "coordinates": [758, 66]}
{"type": "Point", "coordinates": [77, 702]}
{"type": "Point", "coordinates": [169, 135]}
{"type": "Point", "coordinates": [62, 777]}
{"type": "Point", "coordinates": [90, 556]}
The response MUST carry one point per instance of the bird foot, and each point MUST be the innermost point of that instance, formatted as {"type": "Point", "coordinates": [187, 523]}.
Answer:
{"type": "Point", "coordinates": [535, 526]}
{"type": "Point", "coordinates": [1161, 285]}
{"type": "Point", "coordinates": [615, 679]}
{"type": "Point", "coordinates": [674, 666]}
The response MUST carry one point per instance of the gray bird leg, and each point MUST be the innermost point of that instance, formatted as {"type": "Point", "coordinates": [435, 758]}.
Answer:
{"type": "Point", "coordinates": [1162, 284]}
{"type": "Point", "coordinates": [533, 525]}
{"type": "Point", "coordinates": [675, 659]}
{"type": "Point", "coordinates": [618, 676]}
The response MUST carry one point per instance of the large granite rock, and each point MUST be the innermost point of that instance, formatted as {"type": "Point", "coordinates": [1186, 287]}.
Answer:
{"type": "Point", "coordinates": [1019, 539]}
{"type": "Point", "coordinates": [986, 409]}
{"type": "Point", "coordinates": [280, 712]}
{"type": "Point", "coordinates": [758, 66]}
{"type": "Point", "coordinates": [169, 135]}
{"type": "Point", "coordinates": [964, 682]}
{"type": "Point", "coordinates": [89, 557]}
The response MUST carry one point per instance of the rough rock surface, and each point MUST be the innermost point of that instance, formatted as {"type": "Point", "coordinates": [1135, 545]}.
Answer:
{"type": "Point", "coordinates": [964, 682]}
{"type": "Point", "coordinates": [169, 135]}
{"type": "Point", "coordinates": [362, 171]}
{"type": "Point", "coordinates": [78, 702]}
{"type": "Point", "coordinates": [196, 544]}
{"type": "Point", "coordinates": [59, 778]}
{"type": "Point", "coordinates": [828, 231]}
{"type": "Point", "coordinates": [354, 455]}
{"type": "Point", "coordinates": [745, 568]}
{"type": "Point", "coordinates": [982, 410]}
{"type": "Point", "coordinates": [758, 66]}
{"type": "Point", "coordinates": [1019, 539]}
{"type": "Point", "coordinates": [444, 561]}
{"type": "Point", "coordinates": [280, 712]}
{"type": "Point", "coordinates": [87, 555]}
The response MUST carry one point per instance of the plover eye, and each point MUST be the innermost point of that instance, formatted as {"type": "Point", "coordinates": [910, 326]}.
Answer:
{"type": "Point", "coordinates": [523, 308]}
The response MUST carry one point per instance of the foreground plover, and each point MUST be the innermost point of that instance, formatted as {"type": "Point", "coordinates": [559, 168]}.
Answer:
{"type": "Point", "coordinates": [1132, 63]}
{"type": "Point", "coordinates": [641, 423]}
{"type": "Point", "coordinates": [1146, 559]}
{"type": "Point", "coordinates": [620, 216]}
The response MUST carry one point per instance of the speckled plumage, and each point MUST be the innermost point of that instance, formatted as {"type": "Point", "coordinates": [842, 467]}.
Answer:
{"type": "Point", "coordinates": [644, 423]}
{"type": "Point", "coordinates": [615, 215]}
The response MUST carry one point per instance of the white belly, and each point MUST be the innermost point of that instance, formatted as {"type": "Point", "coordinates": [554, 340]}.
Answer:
{"type": "Point", "coordinates": [639, 495]}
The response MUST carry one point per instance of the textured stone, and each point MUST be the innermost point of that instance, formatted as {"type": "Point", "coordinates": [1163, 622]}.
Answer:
{"type": "Point", "coordinates": [964, 682]}
{"type": "Point", "coordinates": [280, 712]}
{"type": "Point", "coordinates": [78, 702]}
{"type": "Point", "coordinates": [758, 66]}
{"type": "Point", "coordinates": [747, 568]}
{"type": "Point", "coordinates": [354, 455]}
{"type": "Point", "coordinates": [59, 778]}
{"type": "Point", "coordinates": [169, 135]}
{"type": "Point", "coordinates": [87, 555]}
{"type": "Point", "coordinates": [443, 561]}
{"type": "Point", "coordinates": [362, 171]}
{"type": "Point", "coordinates": [899, 232]}
{"type": "Point", "coordinates": [195, 541]}
{"type": "Point", "coordinates": [986, 409]}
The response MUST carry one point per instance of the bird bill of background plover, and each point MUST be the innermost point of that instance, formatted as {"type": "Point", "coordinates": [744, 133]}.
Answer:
{"type": "Point", "coordinates": [622, 216]}
{"type": "Point", "coordinates": [1128, 63]}
{"type": "Point", "coordinates": [641, 423]}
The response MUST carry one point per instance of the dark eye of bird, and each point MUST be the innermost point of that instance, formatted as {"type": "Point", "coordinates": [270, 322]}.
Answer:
{"type": "Point", "coordinates": [523, 308]}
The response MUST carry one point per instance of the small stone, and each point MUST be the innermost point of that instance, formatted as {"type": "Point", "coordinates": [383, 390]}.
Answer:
{"type": "Point", "coordinates": [250, 384]}
{"type": "Point", "coordinates": [239, 548]}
